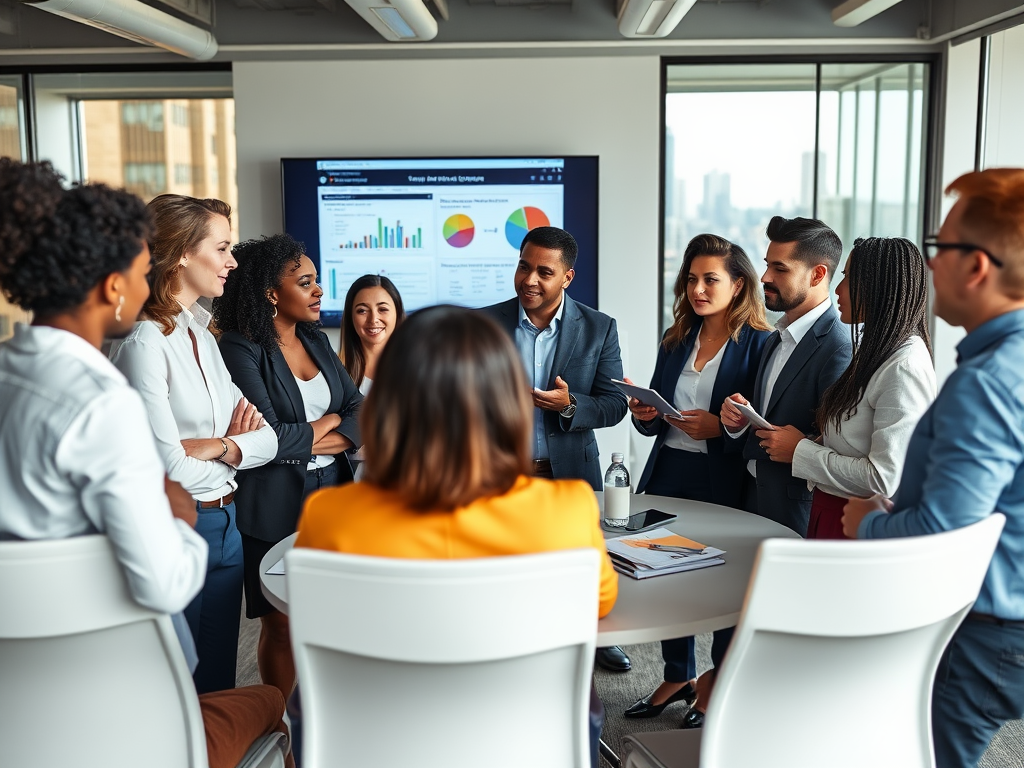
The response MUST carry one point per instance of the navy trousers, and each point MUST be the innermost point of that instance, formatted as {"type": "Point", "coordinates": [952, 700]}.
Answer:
{"type": "Point", "coordinates": [683, 475]}
{"type": "Point", "coordinates": [979, 685]}
{"type": "Point", "coordinates": [214, 614]}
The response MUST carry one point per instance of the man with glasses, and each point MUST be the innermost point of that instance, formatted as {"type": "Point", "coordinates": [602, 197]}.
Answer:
{"type": "Point", "coordinates": [966, 458]}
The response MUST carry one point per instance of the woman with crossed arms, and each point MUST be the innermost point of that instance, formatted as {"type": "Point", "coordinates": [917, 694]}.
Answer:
{"type": "Point", "coordinates": [283, 363]}
{"type": "Point", "coordinates": [712, 349]}
{"type": "Point", "coordinates": [868, 415]}
{"type": "Point", "coordinates": [205, 430]}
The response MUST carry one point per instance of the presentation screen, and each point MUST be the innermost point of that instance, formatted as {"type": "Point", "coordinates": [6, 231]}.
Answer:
{"type": "Point", "coordinates": [445, 230]}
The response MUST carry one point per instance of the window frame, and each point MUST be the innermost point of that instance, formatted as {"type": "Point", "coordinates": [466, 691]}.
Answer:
{"type": "Point", "coordinates": [931, 144]}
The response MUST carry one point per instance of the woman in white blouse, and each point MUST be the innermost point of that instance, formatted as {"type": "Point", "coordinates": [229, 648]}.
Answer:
{"type": "Point", "coordinates": [867, 416]}
{"type": "Point", "coordinates": [373, 309]}
{"type": "Point", "coordinates": [712, 349]}
{"type": "Point", "coordinates": [280, 359]}
{"type": "Point", "coordinates": [205, 430]}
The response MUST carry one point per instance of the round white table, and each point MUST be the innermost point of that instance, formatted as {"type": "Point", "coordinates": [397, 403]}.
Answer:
{"type": "Point", "coordinates": [660, 607]}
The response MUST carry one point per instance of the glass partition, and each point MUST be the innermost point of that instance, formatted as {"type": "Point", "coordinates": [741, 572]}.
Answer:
{"type": "Point", "coordinates": [745, 142]}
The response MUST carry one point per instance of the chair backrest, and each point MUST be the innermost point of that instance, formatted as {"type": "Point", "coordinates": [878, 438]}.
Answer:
{"type": "Point", "coordinates": [449, 663]}
{"type": "Point", "coordinates": [88, 676]}
{"type": "Point", "coordinates": [836, 649]}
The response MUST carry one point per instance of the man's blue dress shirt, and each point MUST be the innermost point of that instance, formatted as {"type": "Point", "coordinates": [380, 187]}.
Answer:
{"type": "Point", "coordinates": [966, 460]}
{"type": "Point", "coordinates": [537, 349]}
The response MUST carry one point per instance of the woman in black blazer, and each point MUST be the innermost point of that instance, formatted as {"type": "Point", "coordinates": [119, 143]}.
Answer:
{"type": "Point", "coordinates": [284, 365]}
{"type": "Point", "coordinates": [711, 351]}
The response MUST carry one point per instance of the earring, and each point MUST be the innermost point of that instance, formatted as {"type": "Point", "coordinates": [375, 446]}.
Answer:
{"type": "Point", "coordinates": [274, 314]}
{"type": "Point", "coordinates": [117, 312]}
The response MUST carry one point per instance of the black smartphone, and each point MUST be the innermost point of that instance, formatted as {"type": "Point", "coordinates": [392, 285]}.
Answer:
{"type": "Point", "coordinates": [649, 518]}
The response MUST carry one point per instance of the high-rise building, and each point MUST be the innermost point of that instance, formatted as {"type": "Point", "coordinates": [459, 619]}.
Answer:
{"type": "Point", "coordinates": [717, 208]}
{"type": "Point", "coordinates": [807, 181]}
{"type": "Point", "coordinates": [182, 146]}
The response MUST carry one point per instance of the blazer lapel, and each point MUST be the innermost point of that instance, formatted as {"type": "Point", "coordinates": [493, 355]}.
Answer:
{"type": "Point", "coordinates": [568, 336]}
{"type": "Point", "coordinates": [320, 356]}
{"type": "Point", "coordinates": [803, 352]}
{"type": "Point", "coordinates": [674, 366]}
{"type": "Point", "coordinates": [758, 394]}
{"type": "Point", "coordinates": [287, 381]}
{"type": "Point", "coordinates": [509, 312]}
{"type": "Point", "coordinates": [726, 378]}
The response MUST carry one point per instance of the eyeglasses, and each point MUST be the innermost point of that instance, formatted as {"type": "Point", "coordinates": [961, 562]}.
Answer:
{"type": "Point", "coordinates": [932, 246]}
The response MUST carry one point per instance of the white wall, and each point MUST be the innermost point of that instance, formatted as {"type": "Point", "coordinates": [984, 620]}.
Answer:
{"type": "Point", "coordinates": [544, 106]}
{"type": "Point", "coordinates": [1004, 140]}
{"type": "Point", "coordinates": [959, 130]}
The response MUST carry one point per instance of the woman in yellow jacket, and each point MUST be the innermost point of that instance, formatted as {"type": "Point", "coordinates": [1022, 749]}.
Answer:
{"type": "Point", "coordinates": [446, 432]}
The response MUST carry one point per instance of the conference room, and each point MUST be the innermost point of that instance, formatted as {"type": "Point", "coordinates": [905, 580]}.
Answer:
{"type": "Point", "coordinates": [422, 140]}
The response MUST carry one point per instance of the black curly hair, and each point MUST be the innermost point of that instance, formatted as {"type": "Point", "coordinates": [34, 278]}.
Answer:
{"type": "Point", "coordinates": [244, 306]}
{"type": "Point", "coordinates": [56, 245]}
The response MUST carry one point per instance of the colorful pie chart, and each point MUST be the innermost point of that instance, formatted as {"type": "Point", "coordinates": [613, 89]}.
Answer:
{"type": "Point", "coordinates": [458, 230]}
{"type": "Point", "coordinates": [522, 221]}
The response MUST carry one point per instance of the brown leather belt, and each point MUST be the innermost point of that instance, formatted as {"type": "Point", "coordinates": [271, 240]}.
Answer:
{"type": "Point", "coordinates": [220, 503]}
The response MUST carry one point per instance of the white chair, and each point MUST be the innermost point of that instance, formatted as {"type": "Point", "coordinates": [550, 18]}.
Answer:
{"type": "Point", "coordinates": [454, 663]}
{"type": "Point", "coordinates": [834, 656]}
{"type": "Point", "coordinates": [88, 676]}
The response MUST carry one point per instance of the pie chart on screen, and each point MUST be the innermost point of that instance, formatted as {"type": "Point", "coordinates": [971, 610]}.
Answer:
{"type": "Point", "coordinates": [522, 221]}
{"type": "Point", "coordinates": [458, 230]}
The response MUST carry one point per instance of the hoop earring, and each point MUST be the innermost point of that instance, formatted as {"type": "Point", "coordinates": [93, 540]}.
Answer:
{"type": "Point", "coordinates": [274, 314]}
{"type": "Point", "coordinates": [117, 312]}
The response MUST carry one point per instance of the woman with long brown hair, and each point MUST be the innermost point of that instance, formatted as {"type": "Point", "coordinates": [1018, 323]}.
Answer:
{"type": "Point", "coordinates": [711, 350]}
{"type": "Point", "coordinates": [205, 430]}
{"type": "Point", "coordinates": [373, 310]}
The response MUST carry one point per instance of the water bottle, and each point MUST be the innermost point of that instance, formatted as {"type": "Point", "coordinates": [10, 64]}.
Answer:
{"type": "Point", "coordinates": [616, 493]}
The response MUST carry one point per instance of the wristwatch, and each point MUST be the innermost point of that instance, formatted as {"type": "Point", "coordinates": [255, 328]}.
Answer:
{"type": "Point", "coordinates": [570, 409]}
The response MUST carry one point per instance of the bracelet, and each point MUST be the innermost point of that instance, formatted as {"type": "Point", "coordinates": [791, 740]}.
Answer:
{"type": "Point", "coordinates": [225, 451]}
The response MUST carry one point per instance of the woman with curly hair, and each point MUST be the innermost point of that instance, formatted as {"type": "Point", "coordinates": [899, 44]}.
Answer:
{"type": "Point", "coordinates": [373, 310]}
{"type": "Point", "coordinates": [285, 366]}
{"type": "Point", "coordinates": [205, 430]}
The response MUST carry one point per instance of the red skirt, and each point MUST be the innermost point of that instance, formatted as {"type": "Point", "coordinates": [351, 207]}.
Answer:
{"type": "Point", "coordinates": [826, 516]}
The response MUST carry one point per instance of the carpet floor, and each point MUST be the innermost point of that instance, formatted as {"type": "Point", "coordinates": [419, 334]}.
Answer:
{"type": "Point", "coordinates": [619, 690]}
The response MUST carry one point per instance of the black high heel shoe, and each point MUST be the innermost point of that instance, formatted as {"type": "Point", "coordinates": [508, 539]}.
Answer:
{"type": "Point", "coordinates": [644, 708]}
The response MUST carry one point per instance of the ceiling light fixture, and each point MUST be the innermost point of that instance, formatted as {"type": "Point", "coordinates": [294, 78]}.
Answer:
{"type": "Point", "coordinates": [138, 22]}
{"type": "Point", "coordinates": [398, 20]}
{"type": "Point", "coordinates": [853, 12]}
{"type": "Point", "coordinates": [651, 18]}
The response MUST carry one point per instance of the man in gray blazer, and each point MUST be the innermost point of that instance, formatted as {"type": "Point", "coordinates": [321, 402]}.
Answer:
{"type": "Point", "coordinates": [808, 351]}
{"type": "Point", "coordinates": [571, 354]}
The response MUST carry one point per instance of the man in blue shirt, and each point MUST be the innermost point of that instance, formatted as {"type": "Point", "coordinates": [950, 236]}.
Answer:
{"type": "Point", "coordinates": [966, 458]}
{"type": "Point", "coordinates": [571, 354]}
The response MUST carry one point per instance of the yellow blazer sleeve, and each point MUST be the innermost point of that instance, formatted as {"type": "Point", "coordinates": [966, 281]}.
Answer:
{"type": "Point", "coordinates": [609, 578]}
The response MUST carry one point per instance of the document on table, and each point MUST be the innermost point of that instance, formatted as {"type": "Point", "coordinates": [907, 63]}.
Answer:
{"type": "Point", "coordinates": [633, 555]}
{"type": "Point", "coordinates": [277, 569]}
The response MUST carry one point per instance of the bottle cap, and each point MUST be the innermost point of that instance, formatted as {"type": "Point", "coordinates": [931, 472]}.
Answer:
{"type": "Point", "coordinates": [616, 458]}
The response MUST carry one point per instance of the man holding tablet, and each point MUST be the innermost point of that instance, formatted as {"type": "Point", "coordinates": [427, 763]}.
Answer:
{"type": "Point", "coordinates": [571, 354]}
{"type": "Point", "coordinates": [808, 351]}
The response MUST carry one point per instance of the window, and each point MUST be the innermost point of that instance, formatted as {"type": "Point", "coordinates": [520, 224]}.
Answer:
{"type": "Point", "coordinates": [180, 115]}
{"type": "Point", "coordinates": [10, 119]}
{"type": "Point", "coordinates": [145, 179]}
{"type": "Point", "coordinates": [182, 173]}
{"type": "Point", "coordinates": [745, 142]}
{"type": "Point", "coordinates": [148, 114]}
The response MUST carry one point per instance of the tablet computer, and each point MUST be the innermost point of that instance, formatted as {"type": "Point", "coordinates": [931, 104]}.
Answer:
{"type": "Point", "coordinates": [753, 416]}
{"type": "Point", "coordinates": [648, 397]}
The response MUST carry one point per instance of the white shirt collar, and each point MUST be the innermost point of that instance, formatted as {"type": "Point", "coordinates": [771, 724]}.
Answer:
{"type": "Point", "coordinates": [39, 338]}
{"type": "Point", "coordinates": [196, 313]}
{"type": "Point", "coordinates": [799, 327]}
{"type": "Point", "coordinates": [556, 319]}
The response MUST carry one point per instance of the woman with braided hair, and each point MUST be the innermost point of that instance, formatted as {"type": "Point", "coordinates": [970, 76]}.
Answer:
{"type": "Point", "coordinates": [867, 416]}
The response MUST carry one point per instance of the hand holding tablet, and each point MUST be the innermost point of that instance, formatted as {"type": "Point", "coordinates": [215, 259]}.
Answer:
{"type": "Point", "coordinates": [752, 416]}
{"type": "Point", "coordinates": [648, 397]}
